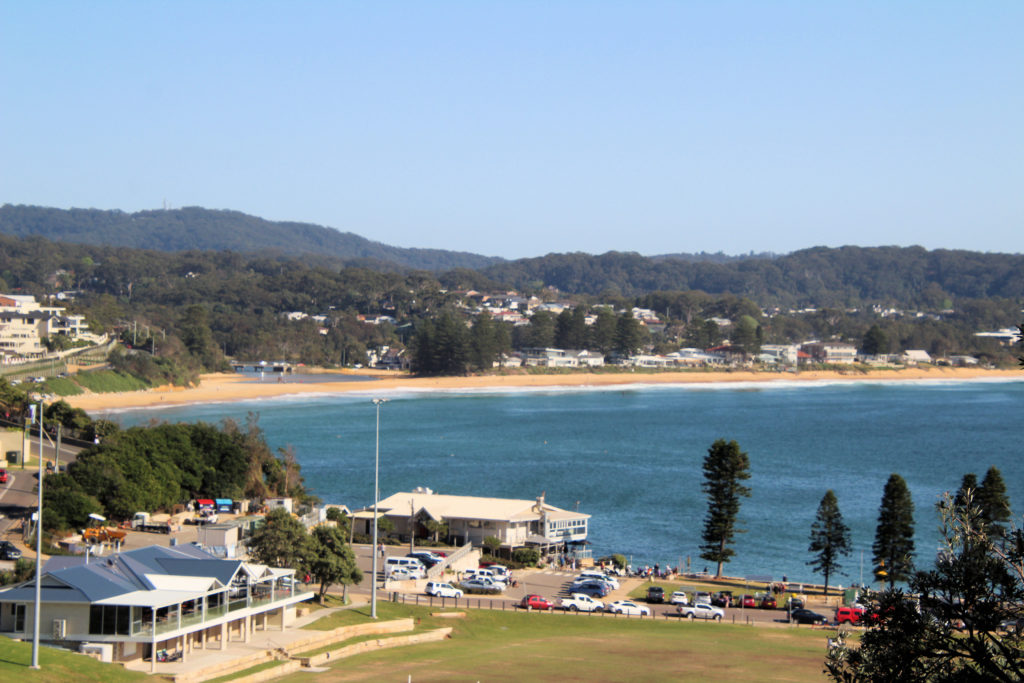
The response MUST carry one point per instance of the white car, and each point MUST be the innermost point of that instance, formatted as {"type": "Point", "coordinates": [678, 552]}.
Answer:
{"type": "Point", "coordinates": [680, 598]}
{"type": "Point", "coordinates": [700, 611]}
{"type": "Point", "coordinates": [442, 590]}
{"type": "Point", "coordinates": [629, 608]}
{"type": "Point", "coordinates": [580, 602]}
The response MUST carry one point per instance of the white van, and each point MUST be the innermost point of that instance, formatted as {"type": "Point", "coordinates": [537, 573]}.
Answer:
{"type": "Point", "coordinates": [405, 566]}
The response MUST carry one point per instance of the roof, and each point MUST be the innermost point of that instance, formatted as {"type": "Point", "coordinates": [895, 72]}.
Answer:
{"type": "Point", "coordinates": [444, 506]}
{"type": "Point", "coordinates": [152, 576]}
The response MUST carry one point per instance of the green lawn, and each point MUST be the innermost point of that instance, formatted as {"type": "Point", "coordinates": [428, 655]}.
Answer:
{"type": "Point", "coordinates": [57, 666]}
{"type": "Point", "coordinates": [510, 646]}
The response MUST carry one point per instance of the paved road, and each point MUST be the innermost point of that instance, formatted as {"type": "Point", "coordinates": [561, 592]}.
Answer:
{"type": "Point", "coordinates": [18, 498]}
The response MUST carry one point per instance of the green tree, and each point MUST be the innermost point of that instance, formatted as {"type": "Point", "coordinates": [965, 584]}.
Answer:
{"type": "Point", "coordinates": [725, 467]}
{"type": "Point", "coordinates": [541, 332]}
{"type": "Point", "coordinates": [830, 538]}
{"type": "Point", "coordinates": [746, 334]}
{"type": "Point", "coordinates": [492, 543]}
{"type": "Point", "coordinates": [629, 334]}
{"type": "Point", "coordinates": [332, 560]}
{"type": "Point", "coordinates": [483, 342]}
{"type": "Point", "coordinates": [993, 502]}
{"type": "Point", "coordinates": [948, 628]}
{"type": "Point", "coordinates": [875, 342]}
{"type": "Point", "coordinates": [602, 333]}
{"type": "Point", "coordinates": [282, 541]}
{"type": "Point", "coordinates": [967, 491]}
{"type": "Point", "coordinates": [894, 536]}
{"type": "Point", "coordinates": [437, 528]}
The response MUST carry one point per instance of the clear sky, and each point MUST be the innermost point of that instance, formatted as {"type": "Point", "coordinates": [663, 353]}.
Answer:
{"type": "Point", "coordinates": [524, 128]}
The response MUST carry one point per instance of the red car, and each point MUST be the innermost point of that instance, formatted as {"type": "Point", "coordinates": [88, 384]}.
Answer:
{"type": "Point", "coordinates": [747, 601]}
{"type": "Point", "coordinates": [769, 602]}
{"type": "Point", "coordinates": [3, 476]}
{"type": "Point", "coordinates": [851, 615]}
{"type": "Point", "coordinates": [534, 601]}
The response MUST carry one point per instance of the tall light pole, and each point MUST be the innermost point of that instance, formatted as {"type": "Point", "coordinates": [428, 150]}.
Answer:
{"type": "Point", "coordinates": [376, 494]}
{"type": "Point", "coordinates": [39, 549]}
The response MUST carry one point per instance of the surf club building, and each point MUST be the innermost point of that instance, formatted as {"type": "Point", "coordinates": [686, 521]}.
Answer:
{"type": "Point", "coordinates": [133, 604]}
{"type": "Point", "coordinates": [516, 523]}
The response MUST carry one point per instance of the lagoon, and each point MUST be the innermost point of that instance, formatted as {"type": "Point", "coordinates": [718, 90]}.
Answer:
{"type": "Point", "coordinates": [631, 456]}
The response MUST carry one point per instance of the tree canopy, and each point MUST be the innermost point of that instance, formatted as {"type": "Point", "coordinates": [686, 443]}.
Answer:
{"type": "Point", "coordinates": [894, 536]}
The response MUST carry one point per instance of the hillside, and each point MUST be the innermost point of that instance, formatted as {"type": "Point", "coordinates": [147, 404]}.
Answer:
{"type": "Point", "coordinates": [194, 228]}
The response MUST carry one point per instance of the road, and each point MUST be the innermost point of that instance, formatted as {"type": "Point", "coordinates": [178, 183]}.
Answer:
{"type": "Point", "coordinates": [18, 497]}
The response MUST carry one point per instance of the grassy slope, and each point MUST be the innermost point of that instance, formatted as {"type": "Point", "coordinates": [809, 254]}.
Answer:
{"type": "Point", "coordinates": [56, 666]}
{"type": "Point", "coordinates": [506, 646]}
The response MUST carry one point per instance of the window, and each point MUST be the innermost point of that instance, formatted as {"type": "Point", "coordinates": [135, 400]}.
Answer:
{"type": "Point", "coordinates": [109, 620]}
{"type": "Point", "coordinates": [19, 617]}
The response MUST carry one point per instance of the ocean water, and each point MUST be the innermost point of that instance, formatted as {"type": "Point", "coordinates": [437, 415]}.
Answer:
{"type": "Point", "coordinates": [631, 456]}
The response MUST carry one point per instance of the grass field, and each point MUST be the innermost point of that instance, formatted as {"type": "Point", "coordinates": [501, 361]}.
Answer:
{"type": "Point", "coordinates": [508, 646]}
{"type": "Point", "coordinates": [105, 381]}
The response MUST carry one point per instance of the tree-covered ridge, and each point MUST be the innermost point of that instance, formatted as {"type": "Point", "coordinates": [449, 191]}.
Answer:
{"type": "Point", "coordinates": [818, 277]}
{"type": "Point", "coordinates": [195, 228]}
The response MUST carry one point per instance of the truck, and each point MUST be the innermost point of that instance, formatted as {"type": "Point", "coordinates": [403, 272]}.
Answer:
{"type": "Point", "coordinates": [142, 522]}
{"type": "Point", "coordinates": [581, 603]}
{"type": "Point", "coordinates": [700, 610]}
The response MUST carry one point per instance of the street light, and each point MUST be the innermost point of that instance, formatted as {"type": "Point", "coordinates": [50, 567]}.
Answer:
{"type": "Point", "coordinates": [376, 494]}
{"type": "Point", "coordinates": [39, 548]}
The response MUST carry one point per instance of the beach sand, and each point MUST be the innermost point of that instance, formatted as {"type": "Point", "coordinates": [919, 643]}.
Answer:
{"type": "Point", "coordinates": [231, 387]}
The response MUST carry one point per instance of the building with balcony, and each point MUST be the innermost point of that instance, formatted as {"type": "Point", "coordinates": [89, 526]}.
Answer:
{"type": "Point", "coordinates": [133, 604]}
{"type": "Point", "coordinates": [516, 523]}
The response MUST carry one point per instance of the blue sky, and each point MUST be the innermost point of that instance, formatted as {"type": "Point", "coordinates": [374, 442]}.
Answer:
{"type": "Point", "coordinates": [523, 128]}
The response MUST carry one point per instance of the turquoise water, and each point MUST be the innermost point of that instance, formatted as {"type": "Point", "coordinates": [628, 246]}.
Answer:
{"type": "Point", "coordinates": [632, 457]}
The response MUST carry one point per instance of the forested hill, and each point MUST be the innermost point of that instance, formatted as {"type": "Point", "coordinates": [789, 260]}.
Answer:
{"type": "Point", "coordinates": [194, 228]}
{"type": "Point", "coordinates": [815, 277]}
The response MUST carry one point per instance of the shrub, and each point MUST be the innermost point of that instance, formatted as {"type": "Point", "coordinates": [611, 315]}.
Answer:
{"type": "Point", "coordinates": [526, 557]}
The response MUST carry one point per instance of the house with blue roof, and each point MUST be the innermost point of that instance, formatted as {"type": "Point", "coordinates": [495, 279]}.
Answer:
{"type": "Point", "coordinates": [136, 603]}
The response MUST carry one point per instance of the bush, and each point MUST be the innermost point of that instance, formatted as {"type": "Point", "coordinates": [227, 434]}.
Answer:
{"type": "Point", "coordinates": [525, 557]}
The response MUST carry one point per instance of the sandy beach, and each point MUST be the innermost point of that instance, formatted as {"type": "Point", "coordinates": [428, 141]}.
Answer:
{"type": "Point", "coordinates": [231, 387]}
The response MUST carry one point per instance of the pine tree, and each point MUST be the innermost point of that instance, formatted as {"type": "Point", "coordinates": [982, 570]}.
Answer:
{"type": "Point", "coordinates": [724, 468]}
{"type": "Point", "coordinates": [830, 538]}
{"type": "Point", "coordinates": [894, 537]}
{"type": "Point", "coordinates": [993, 502]}
{"type": "Point", "coordinates": [968, 484]}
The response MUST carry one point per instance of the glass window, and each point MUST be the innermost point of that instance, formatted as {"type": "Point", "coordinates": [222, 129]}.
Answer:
{"type": "Point", "coordinates": [96, 619]}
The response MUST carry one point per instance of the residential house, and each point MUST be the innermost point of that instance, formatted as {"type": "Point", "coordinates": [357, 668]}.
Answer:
{"type": "Point", "coordinates": [830, 352]}
{"type": "Point", "coordinates": [137, 602]}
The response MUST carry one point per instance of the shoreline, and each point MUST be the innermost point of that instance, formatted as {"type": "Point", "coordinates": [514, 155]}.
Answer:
{"type": "Point", "coordinates": [223, 387]}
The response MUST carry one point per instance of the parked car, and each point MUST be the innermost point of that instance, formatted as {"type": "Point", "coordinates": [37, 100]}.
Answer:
{"type": "Point", "coordinates": [679, 598]}
{"type": "Point", "coordinates": [534, 601]}
{"type": "Point", "coordinates": [655, 594]}
{"type": "Point", "coordinates": [768, 602]}
{"type": "Point", "coordinates": [806, 616]}
{"type": "Point", "coordinates": [852, 615]}
{"type": "Point", "coordinates": [3, 476]}
{"type": "Point", "coordinates": [442, 590]}
{"type": "Point", "coordinates": [428, 558]}
{"type": "Point", "coordinates": [722, 599]}
{"type": "Point", "coordinates": [500, 572]}
{"type": "Point", "coordinates": [580, 602]}
{"type": "Point", "coordinates": [702, 597]}
{"type": "Point", "coordinates": [8, 551]}
{"type": "Point", "coordinates": [795, 603]}
{"type": "Point", "coordinates": [599, 576]}
{"type": "Point", "coordinates": [700, 611]}
{"type": "Point", "coordinates": [595, 589]}
{"type": "Point", "coordinates": [482, 574]}
{"type": "Point", "coordinates": [629, 608]}
{"type": "Point", "coordinates": [410, 566]}
{"type": "Point", "coordinates": [482, 585]}
{"type": "Point", "coordinates": [747, 601]}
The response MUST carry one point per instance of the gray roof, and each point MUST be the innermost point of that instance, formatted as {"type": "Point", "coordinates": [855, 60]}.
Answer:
{"type": "Point", "coordinates": [70, 579]}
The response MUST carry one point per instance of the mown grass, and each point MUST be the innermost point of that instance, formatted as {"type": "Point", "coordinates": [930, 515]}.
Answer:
{"type": "Point", "coordinates": [515, 646]}
{"type": "Point", "coordinates": [57, 666]}
{"type": "Point", "coordinates": [246, 672]}
{"type": "Point", "coordinates": [107, 381]}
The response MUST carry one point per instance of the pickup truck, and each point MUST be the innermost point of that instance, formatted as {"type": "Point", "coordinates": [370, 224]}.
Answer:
{"type": "Point", "coordinates": [581, 603]}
